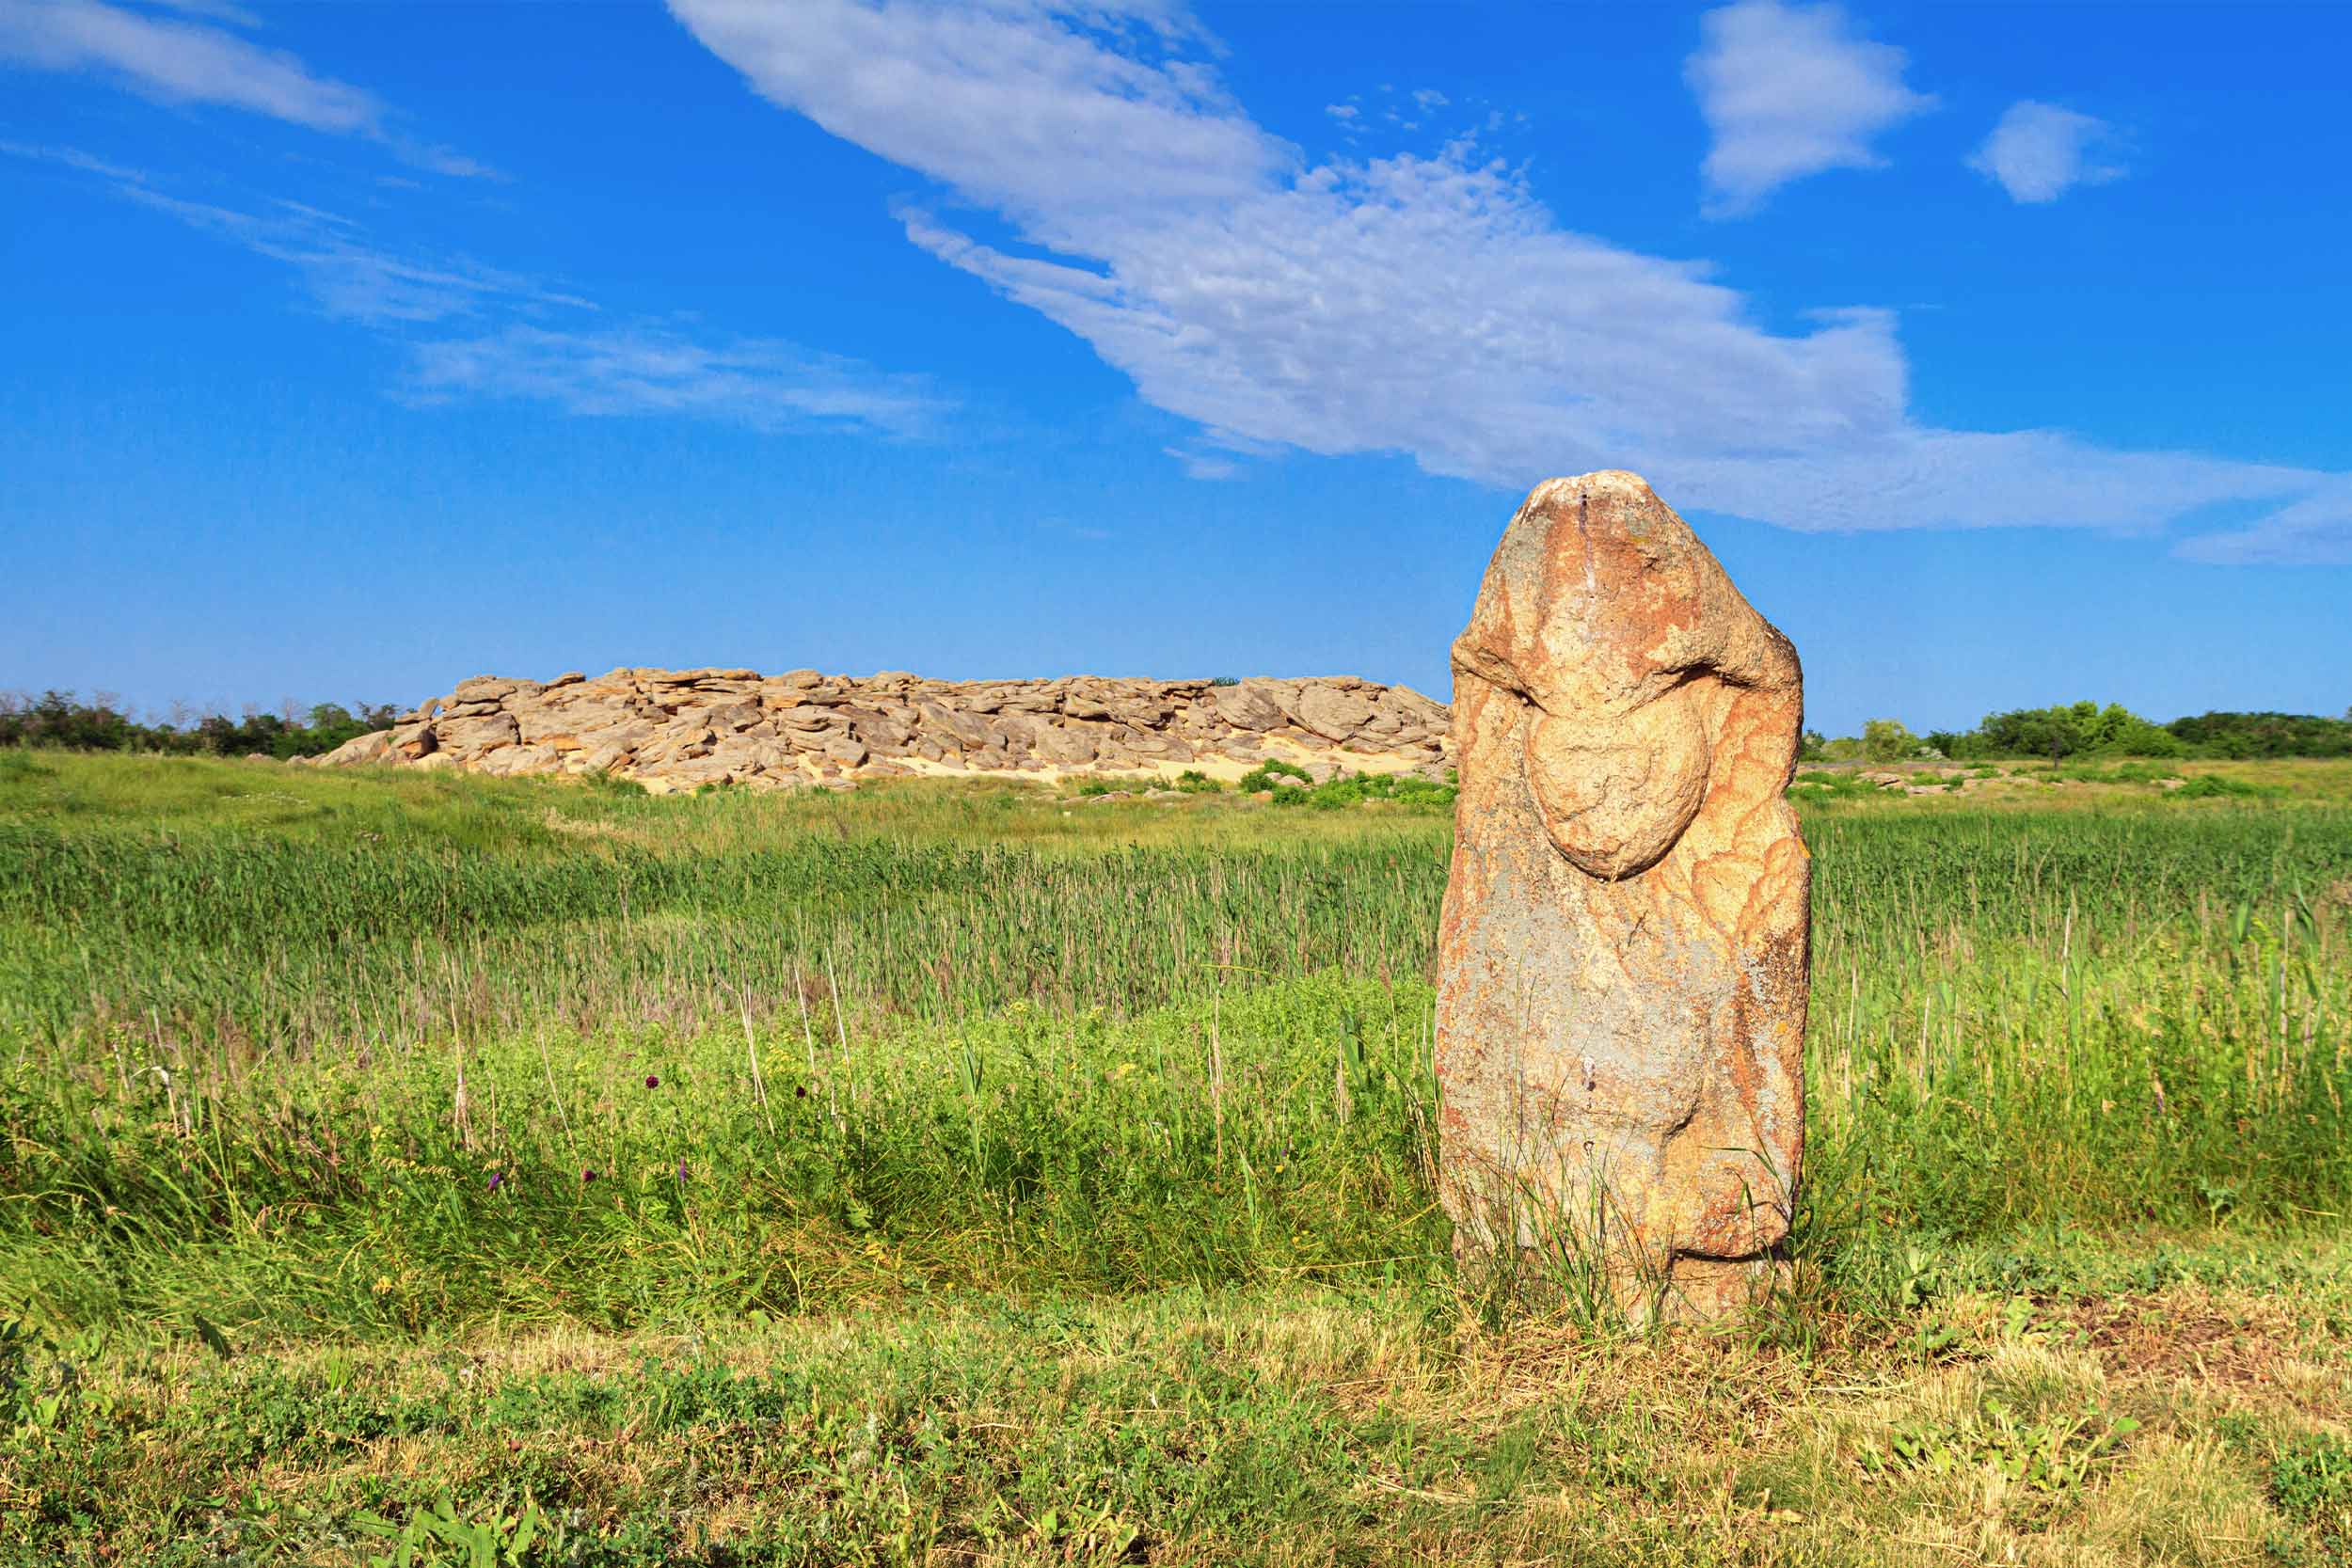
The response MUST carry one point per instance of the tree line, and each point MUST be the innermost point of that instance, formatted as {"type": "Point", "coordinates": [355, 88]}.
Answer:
{"type": "Point", "coordinates": [2068, 729]}
{"type": "Point", "coordinates": [2087, 729]}
{"type": "Point", "coordinates": [60, 719]}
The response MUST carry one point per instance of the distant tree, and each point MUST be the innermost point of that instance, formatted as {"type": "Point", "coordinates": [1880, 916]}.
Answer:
{"type": "Point", "coordinates": [58, 719]}
{"type": "Point", "coordinates": [2264, 734]}
{"type": "Point", "coordinates": [1810, 746]}
{"type": "Point", "coordinates": [1886, 739]}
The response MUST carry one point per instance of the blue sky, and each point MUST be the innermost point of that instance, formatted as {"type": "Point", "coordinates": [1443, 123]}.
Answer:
{"type": "Point", "coordinates": [2002, 354]}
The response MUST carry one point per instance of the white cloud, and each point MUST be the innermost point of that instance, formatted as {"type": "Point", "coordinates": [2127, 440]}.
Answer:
{"type": "Point", "coordinates": [2313, 531]}
{"type": "Point", "coordinates": [1049, 122]}
{"type": "Point", "coordinates": [193, 62]}
{"type": "Point", "coordinates": [1342, 112]}
{"type": "Point", "coordinates": [649, 369]}
{"type": "Point", "coordinates": [1430, 99]}
{"type": "Point", "coordinates": [1788, 90]}
{"type": "Point", "coordinates": [2039, 152]}
{"type": "Point", "coordinates": [507, 347]}
{"type": "Point", "coordinates": [1423, 305]}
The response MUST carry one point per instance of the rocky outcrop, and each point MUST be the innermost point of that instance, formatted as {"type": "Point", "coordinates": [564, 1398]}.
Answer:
{"type": "Point", "coordinates": [1621, 960]}
{"type": "Point", "coordinates": [677, 729]}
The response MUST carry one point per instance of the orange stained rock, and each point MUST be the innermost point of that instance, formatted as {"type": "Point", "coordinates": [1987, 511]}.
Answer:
{"type": "Point", "coordinates": [1622, 962]}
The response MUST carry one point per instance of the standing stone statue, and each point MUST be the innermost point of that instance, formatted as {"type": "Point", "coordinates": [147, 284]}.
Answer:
{"type": "Point", "coordinates": [1622, 965]}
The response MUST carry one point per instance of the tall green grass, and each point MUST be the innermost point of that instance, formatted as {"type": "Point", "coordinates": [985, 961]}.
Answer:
{"type": "Point", "coordinates": [399, 1061]}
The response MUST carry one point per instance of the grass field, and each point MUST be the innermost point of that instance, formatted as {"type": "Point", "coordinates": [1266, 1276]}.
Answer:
{"type": "Point", "coordinates": [425, 1168]}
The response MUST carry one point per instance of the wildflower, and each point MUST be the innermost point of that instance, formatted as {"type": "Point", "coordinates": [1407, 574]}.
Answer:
{"type": "Point", "coordinates": [383, 1284]}
{"type": "Point", "coordinates": [799, 1091]}
{"type": "Point", "coordinates": [498, 1180]}
{"type": "Point", "coordinates": [653, 1080]}
{"type": "Point", "coordinates": [587, 1173]}
{"type": "Point", "coordinates": [681, 1173]}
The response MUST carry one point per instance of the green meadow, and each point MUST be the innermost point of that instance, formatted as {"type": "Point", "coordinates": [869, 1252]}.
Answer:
{"type": "Point", "coordinates": [421, 1169]}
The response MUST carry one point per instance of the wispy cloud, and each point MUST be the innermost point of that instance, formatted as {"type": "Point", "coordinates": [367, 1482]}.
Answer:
{"type": "Point", "coordinates": [1204, 465]}
{"type": "Point", "coordinates": [215, 10]}
{"type": "Point", "coordinates": [351, 275]}
{"type": "Point", "coordinates": [651, 369]}
{"type": "Point", "coordinates": [192, 61]}
{"type": "Point", "coordinates": [1422, 305]}
{"type": "Point", "coordinates": [1788, 90]}
{"type": "Point", "coordinates": [2039, 152]}
{"type": "Point", "coordinates": [520, 337]}
{"type": "Point", "coordinates": [2313, 531]}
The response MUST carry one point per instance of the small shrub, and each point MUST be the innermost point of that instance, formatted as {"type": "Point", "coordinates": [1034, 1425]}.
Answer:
{"type": "Point", "coordinates": [1192, 781]}
{"type": "Point", "coordinates": [1263, 776]}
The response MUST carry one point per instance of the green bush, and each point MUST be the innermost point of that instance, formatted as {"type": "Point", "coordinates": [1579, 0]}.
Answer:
{"type": "Point", "coordinates": [1341, 790]}
{"type": "Point", "coordinates": [1261, 777]}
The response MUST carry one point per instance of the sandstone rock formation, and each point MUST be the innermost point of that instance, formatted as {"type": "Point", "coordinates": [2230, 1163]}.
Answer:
{"type": "Point", "coordinates": [676, 729]}
{"type": "Point", "coordinates": [1622, 963]}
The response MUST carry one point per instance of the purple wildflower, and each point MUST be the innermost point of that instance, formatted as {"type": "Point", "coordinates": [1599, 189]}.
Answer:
{"type": "Point", "coordinates": [498, 1180]}
{"type": "Point", "coordinates": [653, 1080]}
{"type": "Point", "coordinates": [588, 1172]}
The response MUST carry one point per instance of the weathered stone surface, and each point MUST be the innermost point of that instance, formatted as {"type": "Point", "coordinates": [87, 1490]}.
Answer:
{"type": "Point", "coordinates": [405, 743]}
{"type": "Point", "coordinates": [372, 747]}
{"type": "Point", "coordinates": [845, 749]}
{"type": "Point", "coordinates": [510, 760]}
{"type": "Point", "coordinates": [1332, 713]}
{"type": "Point", "coordinates": [679, 728]}
{"type": "Point", "coordinates": [482, 688]}
{"type": "Point", "coordinates": [1622, 960]}
{"type": "Point", "coordinates": [476, 733]}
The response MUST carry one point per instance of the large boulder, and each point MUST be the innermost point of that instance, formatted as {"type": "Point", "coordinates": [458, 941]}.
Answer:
{"type": "Point", "coordinates": [1622, 960]}
{"type": "Point", "coordinates": [1332, 712]}
{"type": "Point", "coordinates": [475, 734]}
